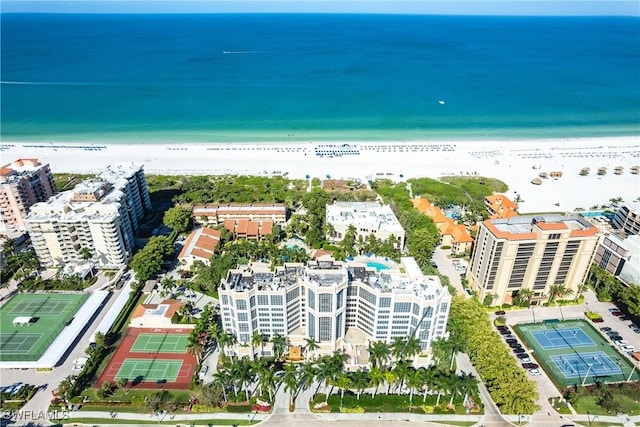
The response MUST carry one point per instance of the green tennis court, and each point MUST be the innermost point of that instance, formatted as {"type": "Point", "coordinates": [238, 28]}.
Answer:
{"type": "Point", "coordinates": [48, 313]}
{"type": "Point", "coordinates": [149, 370]}
{"type": "Point", "coordinates": [573, 352]}
{"type": "Point", "coordinates": [160, 343]}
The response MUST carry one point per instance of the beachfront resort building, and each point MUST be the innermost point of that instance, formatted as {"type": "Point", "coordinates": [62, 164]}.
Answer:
{"type": "Point", "coordinates": [23, 183]}
{"type": "Point", "coordinates": [627, 218]}
{"type": "Point", "coordinates": [530, 252]}
{"type": "Point", "coordinates": [96, 220]}
{"type": "Point", "coordinates": [620, 257]}
{"type": "Point", "coordinates": [341, 305]}
{"type": "Point", "coordinates": [367, 218]}
{"type": "Point", "coordinates": [452, 235]}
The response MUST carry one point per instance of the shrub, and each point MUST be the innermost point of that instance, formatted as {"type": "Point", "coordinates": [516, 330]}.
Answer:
{"type": "Point", "coordinates": [592, 315]}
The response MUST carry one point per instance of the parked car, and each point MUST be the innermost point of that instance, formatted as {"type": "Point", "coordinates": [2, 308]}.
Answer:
{"type": "Point", "coordinates": [617, 313]}
{"type": "Point", "coordinates": [519, 350]}
{"type": "Point", "coordinates": [530, 366]}
{"type": "Point", "coordinates": [597, 320]}
{"type": "Point", "coordinates": [500, 313]}
{"type": "Point", "coordinates": [616, 338]}
{"type": "Point", "coordinates": [504, 331]}
{"type": "Point", "coordinates": [522, 356]}
{"type": "Point", "coordinates": [535, 372]}
{"type": "Point", "coordinates": [628, 348]}
{"type": "Point", "coordinates": [605, 329]}
{"type": "Point", "coordinates": [637, 330]}
{"type": "Point", "coordinates": [511, 341]}
{"type": "Point", "coordinates": [525, 361]}
{"type": "Point", "coordinates": [514, 344]}
{"type": "Point", "coordinates": [612, 332]}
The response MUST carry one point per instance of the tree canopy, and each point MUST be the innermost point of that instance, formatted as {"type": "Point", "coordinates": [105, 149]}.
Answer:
{"type": "Point", "coordinates": [177, 218]}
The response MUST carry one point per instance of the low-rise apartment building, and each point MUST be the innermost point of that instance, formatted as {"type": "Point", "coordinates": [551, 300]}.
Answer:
{"type": "Point", "coordinates": [452, 234]}
{"type": "Point", "coordinates": [530, 252]}
{"type": "Point", "coordinates": [216, 214]}
{"type": "Point", "coordinates": [23, 183]}
{"type": "Point", "coordinates": [330, 301]}
{"type": "Point", "coordinates": [367, 218]}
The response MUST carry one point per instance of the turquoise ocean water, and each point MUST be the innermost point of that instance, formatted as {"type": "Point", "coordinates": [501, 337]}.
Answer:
{"type": "Point", "coordinates": [197, 78]}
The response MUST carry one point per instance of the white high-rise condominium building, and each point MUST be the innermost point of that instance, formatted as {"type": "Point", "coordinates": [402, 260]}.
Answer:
{"type": "Point", "coordinates": [367, 218]}
{"type": "Point", "coordinates": [95, 220]}
{"type": "Point", "coordinates": [333, 302]}
{"type": "Point", "coordinates": [534, 253]}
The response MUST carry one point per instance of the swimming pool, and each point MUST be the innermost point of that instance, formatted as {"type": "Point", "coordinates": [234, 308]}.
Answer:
{"type": "Point", "coordinates": [377, 265]}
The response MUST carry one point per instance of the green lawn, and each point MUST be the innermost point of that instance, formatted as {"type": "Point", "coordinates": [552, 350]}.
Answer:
{"type": "Point", "coordinates": [49, 313]}
{"type": "Point", "coordinates": [590, 404]}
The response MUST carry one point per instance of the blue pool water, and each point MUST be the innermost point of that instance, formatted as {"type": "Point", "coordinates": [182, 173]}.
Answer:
{"type": "Point", "coordinates": [377, 265]}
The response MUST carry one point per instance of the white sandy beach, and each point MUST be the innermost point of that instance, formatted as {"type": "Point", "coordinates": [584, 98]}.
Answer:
{"type": "Point", "coordinates": [515, 162]}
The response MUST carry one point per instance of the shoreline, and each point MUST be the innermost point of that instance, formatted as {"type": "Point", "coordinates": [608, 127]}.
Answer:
{"type": "Point", "coordinates": [515, 161]}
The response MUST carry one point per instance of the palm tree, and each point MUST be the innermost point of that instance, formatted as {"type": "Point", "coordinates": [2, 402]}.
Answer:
{"type": "Point", "coordinates": [523, 298]}
{"type": "Point", "coordinates": [307, 375]}
{"type": "Point", "coordinates": [244, 374]}
{"type": "Point", "coordinates": [279, 344]}
{"type": "Point", "coordinates": [359, 381]}
{"type": "Point", "coordinates": [223, 378]}
{"type": "Point", "coordinates": [291, 382]}
{"type": "Point", "coordinates": [440, 384]}
{"type": "Point", "coordinates": [342, 382]}
{"type": "Point", "coordinates": [454, 386]}
{"type": "Point", "coordinates": [468, 383]}
{"type": "Point", "coordinates": [376, 377]}
{"type": "Point", "coordinates": [378, 353]}
{"type": "Point", "coordinates": [428, 377]}
{"type": "Point", "coordinates": [412, 347]}
{"type": "Point", "coordinates": [389, 378]}
{"type": "Point", "coordinates": [267, 381]}
{"type": "Point", "coordinates": [326, 372]}
{"type": "Point", "coordinates": [414, 382]}
{"type": "Point", "coordinates": [256, 339]}
{"type": "Point", "coordinates": [558, 290]}
{"type": "Point", "coordinates": [397, 347]}
{"type": "Point", "coordinates": [194, 346]}
{"type": "Point", "coordinates": [310, 347]}
{"type": "Point", "coordinates": [402, 370]}
{"type": "Point", "coordinates": [456, 343]}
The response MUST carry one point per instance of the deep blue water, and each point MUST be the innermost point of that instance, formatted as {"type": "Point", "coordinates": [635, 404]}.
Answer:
{"type": "Point", "coordinates": [298, 77]}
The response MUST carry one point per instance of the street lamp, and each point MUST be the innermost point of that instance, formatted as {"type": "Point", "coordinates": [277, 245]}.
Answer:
{"type": "Point", "coordinates": [533, 313]}
{"type": "Point", "coordinates": [561, 314]}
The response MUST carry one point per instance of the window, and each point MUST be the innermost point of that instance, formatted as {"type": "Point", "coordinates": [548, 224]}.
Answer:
{"type": "Point", "coordinates": [276, 299]}
{"type": "Point", "coordinates": [402, 307]}
{"type": "Point", "coordinates": [416, 309]}
{"type": "Point", "coordinates": [443, 307]}
{"type": "Point", "coordinates": [385, 302]}
{"type": "Point", "coordinates": [312, 326]}
{"type": "Point", "coordinates": [263, 300]}
{"type": "Point", "coordinates": [427, 312]}
{"type": "Point", "coordinates": [367, 296]}
{"type": "Point", "coordinates": [324, 303]}
{"type": "Point", "coordinates": [241, 304]}
{"type": "Point", "coordinates": [293, 294]}
{"type": "Point", "coordinates": [312, 300]}
{"type": "Point", "coordinates": [244, 327]}
{"type": "Point", "coordinates": [325, 329]}
{"type": "Point", "coordinates": [339, 332]}
{"type": "Point", "coordinates": [242, 317]}
{"type": "Point", "coordinates": [225, 299]}
{"type": "Point", "coordinates": [340, 299]}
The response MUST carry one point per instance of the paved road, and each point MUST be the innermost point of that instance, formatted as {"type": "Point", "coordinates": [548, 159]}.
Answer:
{"type": "Point", "coordinates": [445, 267]}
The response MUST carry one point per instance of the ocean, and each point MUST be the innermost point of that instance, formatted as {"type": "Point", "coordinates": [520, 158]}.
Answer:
{"type": "Point", "coordinates": [292, 77]}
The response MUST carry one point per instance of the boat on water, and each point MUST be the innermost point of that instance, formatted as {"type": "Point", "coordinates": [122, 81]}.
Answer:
{"type": "Point", "coordinates": [441, 102]}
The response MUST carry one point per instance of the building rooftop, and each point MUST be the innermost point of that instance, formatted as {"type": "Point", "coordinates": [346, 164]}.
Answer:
{"type": "Point", "coordinates": [524, 227]}
{"type": "Point", "coordinates": [328, 272]}
{"type": "Point", "coordinates": [370, 215]}
{"type": "Point", "coordinates": [12, 172]}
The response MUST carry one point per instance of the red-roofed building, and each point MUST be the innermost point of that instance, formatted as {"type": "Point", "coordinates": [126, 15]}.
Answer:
{"type": "Point", "coordinates": [247, 229]}
{"type": "Point", "coordinates": [219, 213]}
{"type": "Point", "coordinates": [500, 206]}
{"type": "Point", "coordinates": [452, 234]}
{"type": "Point", "coordinates": [200, 245]}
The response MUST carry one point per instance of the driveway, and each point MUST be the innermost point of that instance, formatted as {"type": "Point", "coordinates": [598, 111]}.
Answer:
{"type": "Point", "coordinates": [445, 267]}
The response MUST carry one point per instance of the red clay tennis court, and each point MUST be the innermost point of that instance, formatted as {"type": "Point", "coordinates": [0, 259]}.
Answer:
{"type": "Point", "coordinates": [150, 358]}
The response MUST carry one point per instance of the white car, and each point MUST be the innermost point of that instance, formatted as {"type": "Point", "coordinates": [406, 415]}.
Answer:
{"type": "Point", "coordinates": [77, 368]}
{"type": "Point", "coordinates": [622, 343]}
{"type": "Point", "coordinates": [535, 372]}
{"type": "Point", "coordinates": [628, 349]}
{"type": "Point", "coordinates": [80, 361]}
{"type": "Point", "coordinates": [526, 360]}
